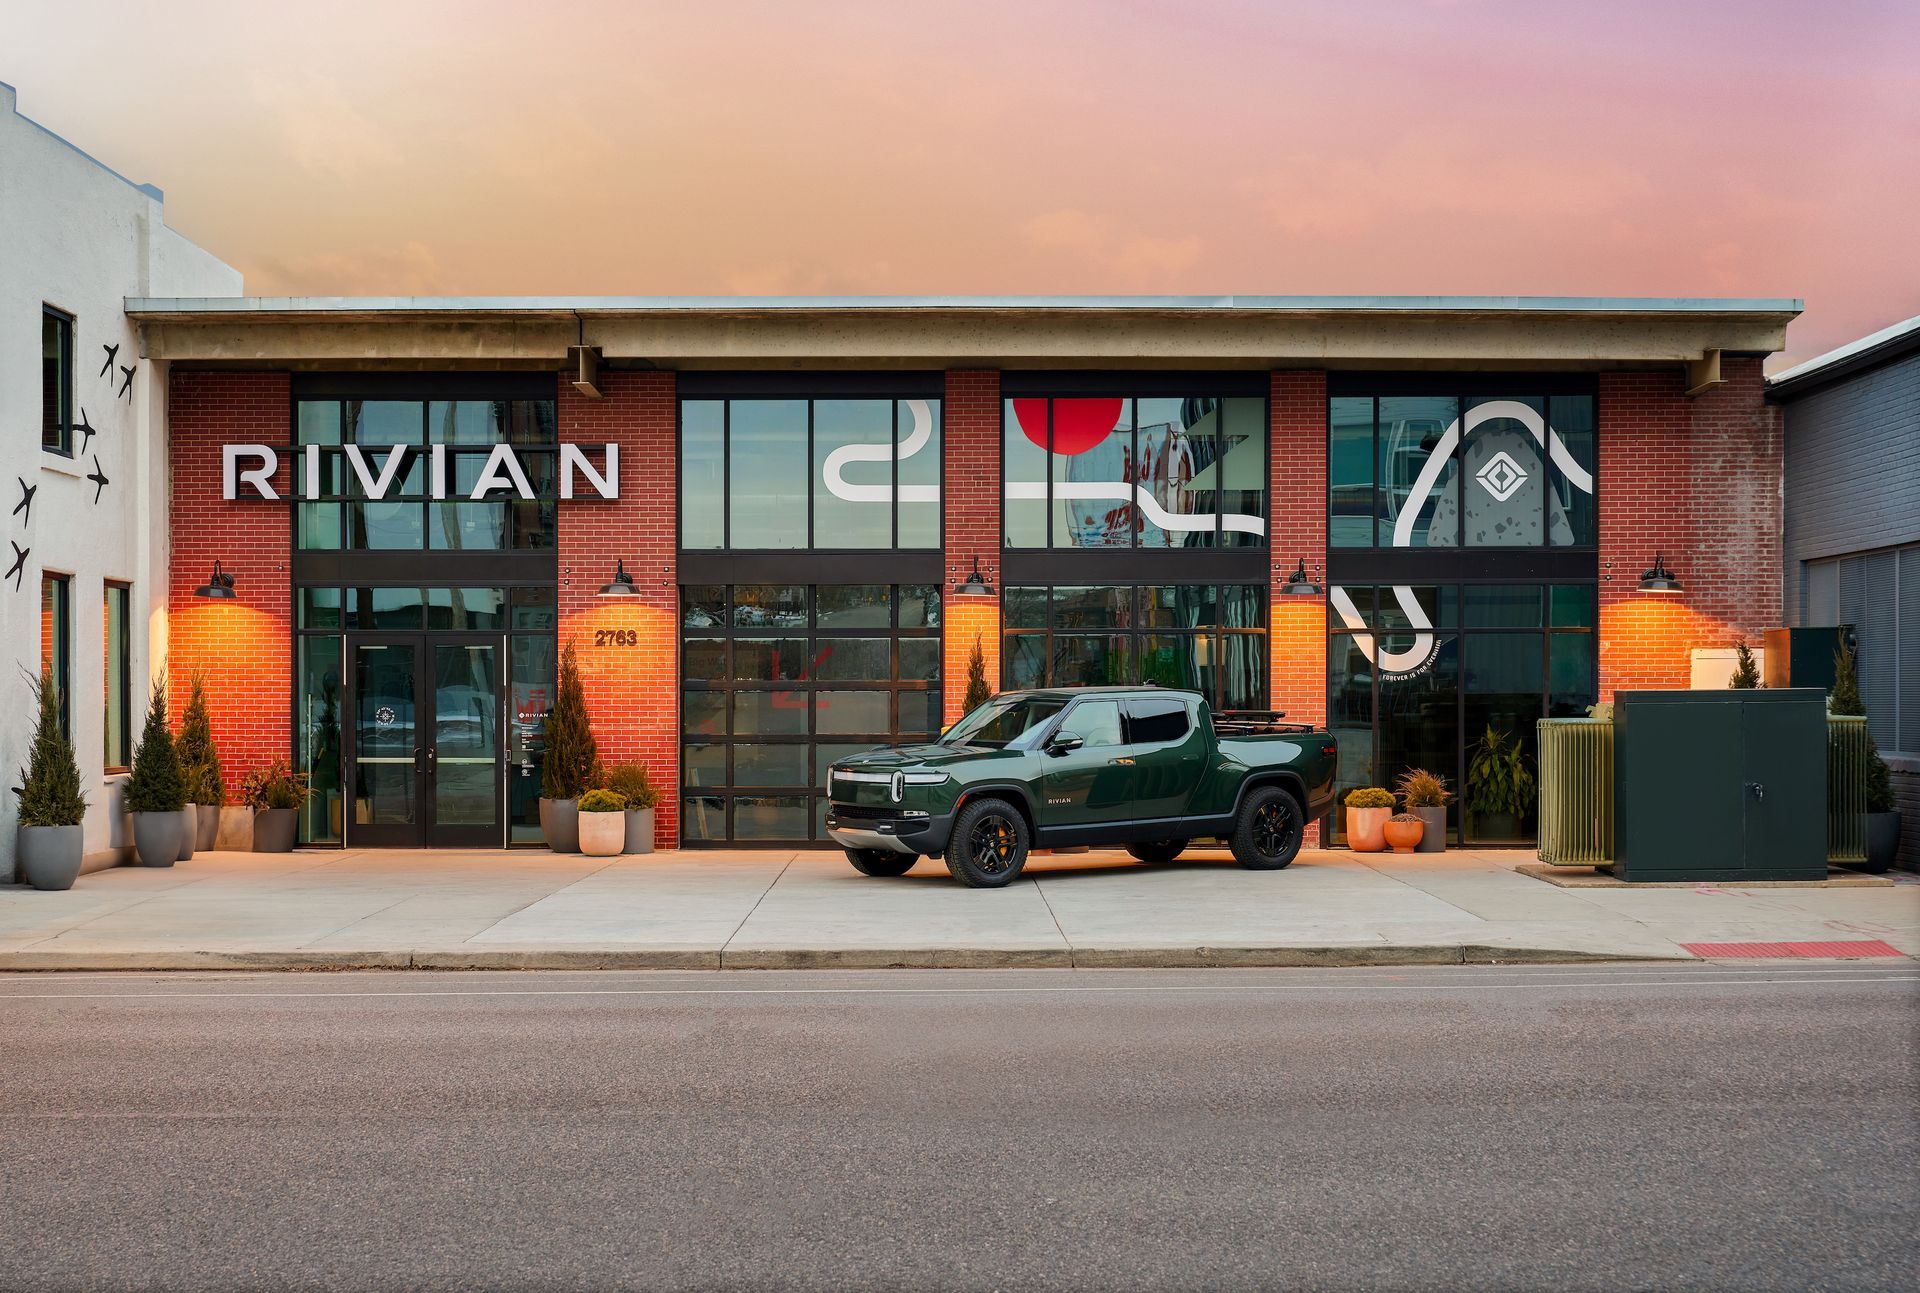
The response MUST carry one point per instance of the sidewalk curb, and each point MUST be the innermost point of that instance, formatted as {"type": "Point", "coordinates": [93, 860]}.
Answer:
{"type": "Point", "coordinates": [853, 958]}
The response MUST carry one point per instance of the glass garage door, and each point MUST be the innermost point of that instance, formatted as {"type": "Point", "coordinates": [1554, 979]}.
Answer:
{"type": "Point", "coordinates": [778, 680]}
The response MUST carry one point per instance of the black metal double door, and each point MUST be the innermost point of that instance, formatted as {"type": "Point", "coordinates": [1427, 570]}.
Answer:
{"type": "Point", "coordinates": [426, 748]}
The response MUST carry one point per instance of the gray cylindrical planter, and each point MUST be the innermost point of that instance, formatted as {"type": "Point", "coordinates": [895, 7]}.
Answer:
{"type": "Point", "coordinates": [1433, 839]}
{"type": "Point", "coordinates": [1883, 841]}
{"type": "Point", "coordinates": [639, 830]}
{"type": "Point", "coordinates": [274, 830]}
{"type": "Point", "coordinates": [156, 838]}
{"type": "Point", "coordinates": [50, 856]}
{"type": "Point", "coordinates": [560, 825]}
{"type": "Point", "coordinates": [207, 828]}
{"type": "Point", "coordinates": [189, 831]}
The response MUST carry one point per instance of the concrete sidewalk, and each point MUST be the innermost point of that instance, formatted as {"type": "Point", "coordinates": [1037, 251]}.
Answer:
{"type": "Point", "coordinates": [763, 910]}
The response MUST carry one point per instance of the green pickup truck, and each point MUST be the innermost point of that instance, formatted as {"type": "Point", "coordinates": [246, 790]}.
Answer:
{"type": "Point", "coordinates": [1149, 768]}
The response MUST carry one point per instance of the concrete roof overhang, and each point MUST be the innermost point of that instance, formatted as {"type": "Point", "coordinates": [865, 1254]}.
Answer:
{"type": "Point", "coordinates": [1172, 332]}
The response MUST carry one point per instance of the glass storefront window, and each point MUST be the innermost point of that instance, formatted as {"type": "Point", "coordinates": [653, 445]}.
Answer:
{"type": "Point", "coordinates": [1206, 636]}
{"type": "Point", "coordinates": [118, 610]}
{"type": "Point", "coordinates": [317, 741]}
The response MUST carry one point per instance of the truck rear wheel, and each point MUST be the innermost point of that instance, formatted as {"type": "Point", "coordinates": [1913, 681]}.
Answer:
{"type": "Point", "coordinates": [989, 844]}
{"type": "Point", "coordinates": [1159, 852]}
{"type": "Point", "coordinates": [882, 862]}
{"type": "Point", "coordinates": [1268, 831]}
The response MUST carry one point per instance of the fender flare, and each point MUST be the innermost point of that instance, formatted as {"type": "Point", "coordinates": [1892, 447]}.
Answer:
{"type": "Point", "coordinates": [1022, 799]}
{"type": "Point", "coordinates": [1285, 778]}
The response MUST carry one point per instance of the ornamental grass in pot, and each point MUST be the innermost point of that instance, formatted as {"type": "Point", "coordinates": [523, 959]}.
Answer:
{"type": "Point", "coordinates": [157, 789]}
{"type": "Point", "coordinates": [52, 804]}
{"type": "Point", "coordinates": [1425, 795]}
{"type": "Point", "coordinates": [276, 793]}
{"type": "Point", "coordinates": [570, 759]}
{"type": "Point", "coordinates": [602, 824]}
{"type": "Point", "coordinates": [631, 782]}
{"type": "Point", "coordinates": [200, 764]}
{"type": "Point", "coordinates": [1367, 811]}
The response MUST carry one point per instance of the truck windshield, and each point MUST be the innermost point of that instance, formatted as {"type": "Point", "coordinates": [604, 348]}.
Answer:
{"type": "Point", "coordinates": [1003, 723]}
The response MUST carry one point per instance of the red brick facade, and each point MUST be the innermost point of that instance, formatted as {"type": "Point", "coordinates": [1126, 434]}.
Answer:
{"type": "Point", "coordinates": [243, 645]}
{"type": "Point", "coordinates": [1698, 481]}
{"type": "Point", "coordinates": [970, 500]}
{"type": "Point", "coordinates": [632, 690]}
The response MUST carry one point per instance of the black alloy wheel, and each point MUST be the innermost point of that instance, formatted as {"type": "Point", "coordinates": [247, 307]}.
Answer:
{"type": "Point", "coordinates": [989, 844]}
{"type": "Point", "coordinates": [1267, 835]}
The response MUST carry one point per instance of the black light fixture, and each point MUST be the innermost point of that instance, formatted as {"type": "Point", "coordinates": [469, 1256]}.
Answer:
{"type": "Point", "coordinates": [1298, 585]}
{"type": "Point", "coordinates": [219, 585]}
{"type": "Point", "coordinates": [1659, 579]}
{"type": "Point", "coordinates": [975, 584]}
{"type": "Point", "coordinates": [622, 585]}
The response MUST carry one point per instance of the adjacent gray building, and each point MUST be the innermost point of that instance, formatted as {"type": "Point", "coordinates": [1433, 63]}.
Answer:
{"type": "Point", "coordinates": [1852, 542]}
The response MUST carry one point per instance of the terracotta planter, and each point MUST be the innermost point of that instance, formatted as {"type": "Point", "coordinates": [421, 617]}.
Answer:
{"type": "Point", "coordinates": [1366, 829]}
{"type": "Point", "coordinates": [50, 856]}
{"type": "Point", "coordinates": [275, 829]}
{"type": "Point", "coordinates": [1402, 836]}
{"type": "Point", "coordinates": [602, 835]}
{"type": "Point", "coordinates": [189, 832]}
{"type": "Point", "coordinates": [560, 825]}
{"type": "Point", "coordinates": [156, 838]}
{"type": "Point", "coordinates": [1434, 838]}
{"type": "Point", "coordinates": [207, 831]}
{"type": "Point", "coordinates": [639, 830]}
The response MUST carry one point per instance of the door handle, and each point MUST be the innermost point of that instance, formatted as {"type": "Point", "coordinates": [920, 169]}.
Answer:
{"type": "Point", "coordinates": [419, 759]}
{"type": "Point", "coordinates": [433, 759]}
{"type": "Point", "coordinates": [1759, 791]}
{"type": "Point", "coordinates": [1126, 761]}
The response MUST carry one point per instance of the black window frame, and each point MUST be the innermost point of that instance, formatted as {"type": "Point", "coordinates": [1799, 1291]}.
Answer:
{"type": "Point", "coordinates": [60, 668]}
{"type": "Point", "coordinates": [119, 654]}
{"type": "Point", "coordinates": [61, 405]}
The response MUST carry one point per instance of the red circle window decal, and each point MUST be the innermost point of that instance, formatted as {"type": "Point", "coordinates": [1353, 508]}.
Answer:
{"type": "Point", "coordinates": [1078, 425]}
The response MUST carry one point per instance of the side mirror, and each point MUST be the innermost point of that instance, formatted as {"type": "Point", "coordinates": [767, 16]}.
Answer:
{"type": "Point", "coordinates": [1064, 743]}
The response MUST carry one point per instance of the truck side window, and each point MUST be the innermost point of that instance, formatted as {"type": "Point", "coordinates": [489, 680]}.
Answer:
{"type": "Point", "coordinates": [1095, 722]}
{"type": "Point", "coordinates": [1157, 721]}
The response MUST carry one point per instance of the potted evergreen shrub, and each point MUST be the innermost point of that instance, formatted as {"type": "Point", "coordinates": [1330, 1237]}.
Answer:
{"type": "Point", "coordinates": [570, 765]}
{"type": "Point", "coordinates": [978, 692]}
{"type": "Point", "coordinates": [602, 823]}
{"type": "Point", "coordinates": [1499, 785]}
{"type": "Point", "coordinates": [276, 794]}
{"type": "Point", "coordinates": [631, 782]}
{"type": "Point", "coordinates": [1883, 815]}
{"type": "Point", "coordinates": [1425, 794]}
{"type": "Point", "coordinates": [1367, 811]}
{"type": "Point", "coordinates": [156, 790]}
{"type": "Point", "coordinates": [52, 805]}
{"type": "Point", "coordinates": [200, 764]}
{"type": "Point", "coordinates": [1746, 674]}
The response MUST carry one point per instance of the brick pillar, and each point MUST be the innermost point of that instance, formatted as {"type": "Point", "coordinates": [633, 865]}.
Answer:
{"type": "Point", "coordinates": [243, 645]}
{"type": "Point", "coordinates": [1297, 486]}
{"type": "Point", "coordinates": [632, 690]}
{"type": "Point", "coordinates": [1697, 481]}
{"type": "Point", "coordinates": [970, 501]}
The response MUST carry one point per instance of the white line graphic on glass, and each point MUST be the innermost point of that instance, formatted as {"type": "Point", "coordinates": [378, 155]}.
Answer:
{"type": "Point", "coordinates": [917, 439]}
{"type": "Point", "coordinates": [1423, 642]}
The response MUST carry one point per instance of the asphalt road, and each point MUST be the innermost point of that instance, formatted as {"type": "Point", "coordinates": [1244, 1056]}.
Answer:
{"type": "Point", "coordinates": [1538, 1128]}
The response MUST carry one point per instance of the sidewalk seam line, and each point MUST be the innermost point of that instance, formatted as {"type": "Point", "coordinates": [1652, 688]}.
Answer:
{"type": "Point", "coordinates": [551, 893]}
{"type": "Point", "coordinates": [1073, 953]}
{"type": "Point", "coordinates": [727, 942]}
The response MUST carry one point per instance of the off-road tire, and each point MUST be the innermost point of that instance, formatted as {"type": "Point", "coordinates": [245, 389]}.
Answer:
{"type": "Point", "coordinates": [881, 862]}
{"type": "Point", "coordinates": [1268, 830]}
{"type": "Point", "coordinates": [989, 844]}
{"type": "Point", "coordinates": [1159, 852]}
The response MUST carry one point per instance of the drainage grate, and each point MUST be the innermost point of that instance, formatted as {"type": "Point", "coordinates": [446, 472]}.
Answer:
{"type": "Point", "coordinates": [1746, 951]}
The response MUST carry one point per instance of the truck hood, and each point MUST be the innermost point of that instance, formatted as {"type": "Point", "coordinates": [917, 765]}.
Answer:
{"type": "Point", "coordinates": [926, 755]}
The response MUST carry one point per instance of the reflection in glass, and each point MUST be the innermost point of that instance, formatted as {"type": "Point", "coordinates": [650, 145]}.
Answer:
{"type": "Point", "coordinates": [1177, 445]}
{"type": "Point", "coordinates": [702, 473]}
{"type": "Point", "coordinates": [849, 522]}
{"type": "Point", "coordinates": [1504, 685]}
{"type": "Point", "coordinates": [919, 606]}
{"type": "Point", "coordinates": [855, 606]}
{"type": "Point", "coordinates": [1093, 451]}
{"type": "Point", "coordinates": [854, 659]}
{"type": "Point", "coordinates": [704, 765]}
{"type": "Point", "coordinates": [1024, 458]}
{"type": "Point", "coordinates": [770, 659]}
{"type": "Point", "coordinates": [1349, 718]}
{"type": "Point", "coordinates": [703, 817]}
{"type": "Point", "coordinates": [1571, 417]}
{"type": "Point", "coordinates": [769, 765]}
{"type": "Point", "coordinates": [770, 817]}
{"type": "Point", "coordinates": [767, 454]}
{"type": "Point", "coordinates": [765, 713]}
{"type": "Point", "coordinates": [1418, 716]}
{"type": "Point", "coordinates": [1085, 660]}
{"type": "Point", "coordinates": [530, 691]}
{"type": "Point", "coordinates": [1174, 659]}
{"type": "Point", "coordinates": [466, 735]}
{"type": "Point", "coordinates": [1411, 429]}
{"type": "Point", "coordinates": [1507, 492]}
{"type": "Point", "coordinates": [852, 711]}
{"type": "Point", "coordinates": [757, 606]}
{"type": "Point", "coordinates": [919, 519]}
{"type": "Point", "coordinates": [1024, 608]}
{"type": "Point", "coordinates": [317, 738]}
{"type": "Point", "coordinates": [1243, 671]}
{"type": "Point", "coordinates": [1243, 468]}
{"type": "Point", "coordinates": [1350, 472]}
{"type": "Point", "coordinates": [1024, 660]}
{"type": "Point", "coordinates": [385, 735]}
{"type": "Point", "coordinates": [919, 659]}
{"type": "Point", "coordinates": [704, 713]}
{"type": "Point", "coordinates": [703, 606]}
{"type": "Point", "coordinates": [1092, 608]}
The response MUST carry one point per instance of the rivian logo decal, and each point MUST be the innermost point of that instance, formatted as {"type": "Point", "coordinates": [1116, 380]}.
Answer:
{"type": "Point", "coordinates": [1502, 476]}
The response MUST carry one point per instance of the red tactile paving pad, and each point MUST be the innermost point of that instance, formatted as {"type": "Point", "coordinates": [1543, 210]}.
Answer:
{"type": "Point", "coordinates": [1864, 947]}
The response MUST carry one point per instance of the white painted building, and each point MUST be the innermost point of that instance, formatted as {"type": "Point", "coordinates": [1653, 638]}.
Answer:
{"type": "Point", "coordinates": [83, 485]}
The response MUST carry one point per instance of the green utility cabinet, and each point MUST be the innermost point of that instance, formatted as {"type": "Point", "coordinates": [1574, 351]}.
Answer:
{"type": "Point", "coordinates": [1720, 785]}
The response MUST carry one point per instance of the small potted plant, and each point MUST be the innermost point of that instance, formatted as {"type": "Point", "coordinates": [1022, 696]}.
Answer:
{"type": "Point", "coordinates": [603, 823]}
{"type": "Point", "coordinates": [200, 764]}
{"type": "Point", "coordinates": [1499, 785]}
{"type": "Point", "coordinates": [51, 802]}
{"type": "Point", "coordinates": [276, 794]}
{"type": "Point", "coordinates": [571, 763]}
{"type": "Point", "coordinates": [1883, 814]}
{"type": "Point", "coordinates": [1425, 795]}
{"type": "Point", "coordinates": [156, 790]}
{"type": "Point", "coordinates": [1367, 811]}
{"type": "Point", "coordinates": [631, 782]}
{"type": "Point", "coordinates": [1403, 832]}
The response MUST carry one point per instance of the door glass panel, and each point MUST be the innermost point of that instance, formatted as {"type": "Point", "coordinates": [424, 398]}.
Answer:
{"type": "Point", "coordinates": [852, 711]}
{"type": "Point", "coordinates": [1418, 723]}
{"type": "Point", "coordinates": [384, 735]}
{"type": "Point", "coordinates": [533, 677]}
{"type": "Point", "coordinates": [317, 732]}
{"type": "Point", "coordinates": [1095, 722]}
{"type": "Point", "coordinates": [466, 736]}
{"type": "Point", "coordinates": [1504, 680]}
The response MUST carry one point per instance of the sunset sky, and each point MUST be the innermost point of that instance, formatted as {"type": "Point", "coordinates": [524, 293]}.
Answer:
{"type": "Point", "coordinates": [1764, 148]}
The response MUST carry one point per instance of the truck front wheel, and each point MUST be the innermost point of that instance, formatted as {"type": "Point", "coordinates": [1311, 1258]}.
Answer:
{"type": "Point", "coordinates": [1268, 831]}
{"type": "Point", "coordinates": [989, 844]}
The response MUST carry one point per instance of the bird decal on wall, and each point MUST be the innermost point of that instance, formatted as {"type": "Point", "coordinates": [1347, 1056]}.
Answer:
{"type": "Point", "coordinates": [85, 428]}
{"type": "Point", "coordinates": [26, 500]}
{"type": "Point", "coordinates": [99, 479]}
{"type": "Point", "coordinates": [18, 570]}
{"type": "Point", "coordinates": [126, 385]}
{"type": "Point", "coordinates": [113, 352]}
